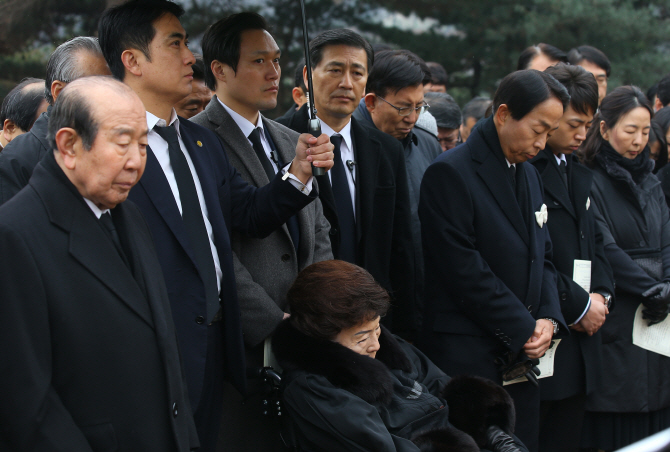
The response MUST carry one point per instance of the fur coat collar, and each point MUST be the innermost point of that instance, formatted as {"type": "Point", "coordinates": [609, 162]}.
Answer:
{"type": "Point", "coordinates": [367, 378]}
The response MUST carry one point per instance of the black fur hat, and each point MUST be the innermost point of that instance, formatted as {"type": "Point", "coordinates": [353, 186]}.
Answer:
{"type": "Point", "coordinates": [476, 403]}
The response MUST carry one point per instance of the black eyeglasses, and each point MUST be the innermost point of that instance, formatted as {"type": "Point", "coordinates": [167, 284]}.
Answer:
{"type": "Point", "coordinates": [406, 111]}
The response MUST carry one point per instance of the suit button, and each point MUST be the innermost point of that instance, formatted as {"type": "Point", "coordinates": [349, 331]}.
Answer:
{"type": "Point", "coordinates": [175, 411]}
{"type": "Point", "coordinates": [556, 203]}
{"type": "Point", "coordinates": [286, 257]}
{"type": "Point", "coordinates": [200, 320]}
{"type": "Point", "coordinates": [582, 235]}
{"type": "Point", "coordinates": [530, 308]}
{"type": "Point", "coordinates": [333, 231]}
{"type": "Point", "coordinates": [564, 296]}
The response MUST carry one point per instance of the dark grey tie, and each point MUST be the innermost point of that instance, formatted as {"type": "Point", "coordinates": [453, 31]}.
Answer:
{"type": "Point", "coordinates": [193, 219]}
{"type": "Point", "coordinates": [564, 172]}
{"type": "Point", "coordinates": [106, 221]}
{"type": "Point", "coordinates": [255, 138]}
{"type": "Point", "coordinates": [512, 174]}
{"type": "Point", "coordinates": [345, 209]}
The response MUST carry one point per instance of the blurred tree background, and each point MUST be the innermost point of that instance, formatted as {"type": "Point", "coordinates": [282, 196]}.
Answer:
{"type": "Point", "coordinates": [477, 41]}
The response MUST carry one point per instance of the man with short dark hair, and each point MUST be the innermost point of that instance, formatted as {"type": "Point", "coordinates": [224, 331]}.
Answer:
{"type": "Point", "coordinates": [438, 78]}
{"type": "Point", "coordinates": [393, 103]}
{"type": "Point", "coordinates": [448, 117]}
{"type": "Point", "coordinates": [76, 58]}
{"type": "Point", "coordinates": [20, 108]}
{"type": "Point", "coordinates": [491, 297]}
{"type": "Point", "coordinates": [662, 93]}
{"type": "Point", "coordinates": [90, 358]}
{"type": "Point", "coordinates": [575, 238]}
{"type": "Point", "coordinates": [200, 95]}
{"type": "Point", "coordinates": [540, 57]}
{"type": "Point", "coordinates": [472, 112]}
{"type": "Point", "coordinates": [594, 61]}
{"type": "Point", "coordinates": [365, 198]}
{"type": "Point", "coordinates": [258, 148]}
{"type": "Point", "coordinates": [193, 198]}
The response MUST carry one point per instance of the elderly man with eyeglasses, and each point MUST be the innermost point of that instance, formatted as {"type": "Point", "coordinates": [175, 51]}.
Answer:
{"type": "Point", "coordinates": [365, 196]}
{"type": "Point", "coordinates": [393, 103]}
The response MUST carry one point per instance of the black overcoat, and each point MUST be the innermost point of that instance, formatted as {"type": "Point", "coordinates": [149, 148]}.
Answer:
{"type": "Point", "coordinates": [89, 358]}
{"type": "Point", "coordinates": [633, 218]}
{"type": "Point", "coordinates": [574, 234]}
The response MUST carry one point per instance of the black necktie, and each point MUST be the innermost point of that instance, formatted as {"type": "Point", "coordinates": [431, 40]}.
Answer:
{"type": "Point", "coordinates": [193, 220]}
{"type": "Point", "coordinates": [512, 173]}
{"type": "Point", "coordinates": [106, 221]}
{"type": "Point", "coordinates": [255, 138]}
{"type": "Point", "coordinates": [345, 209]}
{"type": "Point", "coordinates": [564, 172]}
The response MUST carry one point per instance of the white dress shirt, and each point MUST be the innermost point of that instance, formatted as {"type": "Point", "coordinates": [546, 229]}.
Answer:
{"type": "Point", "coordinates": [347, 153]}
{"type": "Point", "coordinates": [160, 149]}
{"type": "Point", "coordinates": [95, 209]}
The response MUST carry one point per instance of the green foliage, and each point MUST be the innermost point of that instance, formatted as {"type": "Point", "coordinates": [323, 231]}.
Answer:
{"type": "Point", "coordinates": [480, 44]}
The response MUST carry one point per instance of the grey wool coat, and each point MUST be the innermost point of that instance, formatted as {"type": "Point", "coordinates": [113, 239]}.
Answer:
{"type": "Point", "coordinates": [265, 268]}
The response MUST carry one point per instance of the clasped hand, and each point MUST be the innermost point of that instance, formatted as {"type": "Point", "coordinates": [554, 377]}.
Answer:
{"type": "Point", "coordinates": [540, 341]}
{"type": "Point", "coordinates": [311, 150]}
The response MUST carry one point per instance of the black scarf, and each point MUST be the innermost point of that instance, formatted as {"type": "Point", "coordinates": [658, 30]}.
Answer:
{"type": "Point", "coordinates": [638, 167]}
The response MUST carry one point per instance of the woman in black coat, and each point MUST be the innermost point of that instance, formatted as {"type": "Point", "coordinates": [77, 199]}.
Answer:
{"type": "Point", "coordinates": [633, 400]}
{"type": "Point", "coordinates": [351, 385]}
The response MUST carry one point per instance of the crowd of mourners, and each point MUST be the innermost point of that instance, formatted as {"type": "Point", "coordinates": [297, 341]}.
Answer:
{"type": "Point", "coordinates": [179, 272]}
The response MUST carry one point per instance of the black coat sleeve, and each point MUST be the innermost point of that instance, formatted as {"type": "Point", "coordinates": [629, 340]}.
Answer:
{"type": "Point", "coordinates": [32, 416]}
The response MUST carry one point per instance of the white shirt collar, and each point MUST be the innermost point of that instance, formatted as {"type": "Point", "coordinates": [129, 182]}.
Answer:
{"type": "Point", "coordinates": [95, 209]}
{"type": "Point", "coordinates": [243, 123]}
{"type": "Point", "coordinates": [153, 120]}
{"type": "Point", "coordinates": [509, 165]}
{"type": "Point", "coordinates": [345, 132]}
{"type": "Point", "coordinates": [560, 158]}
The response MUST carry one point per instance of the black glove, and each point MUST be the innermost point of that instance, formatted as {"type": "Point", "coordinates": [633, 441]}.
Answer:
{"type": "Point", "coordinates": [499, 441]}
{"type": "Point", "coordinates": [655, 303]}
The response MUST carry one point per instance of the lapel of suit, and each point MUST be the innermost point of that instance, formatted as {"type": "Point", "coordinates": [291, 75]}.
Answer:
{"type": "Point", "coordinates": [494, 177]}
{"type": "Point", "coordinates": [285, 146]}
{"type": "Point", "coordinates": [237, 145]}
{"type": "Point", "coordinates": [581, 179]}
{"type": "Point", "coordinates": [367, 154]}
{"type": "Point", "coordinates": [155, 184]}
{"type": "Point", "coordinates": [88, 243]}
{"type": "Point", "coordinates": [553, 183]}
{"type": "Point", "coordinates": [205, 169]}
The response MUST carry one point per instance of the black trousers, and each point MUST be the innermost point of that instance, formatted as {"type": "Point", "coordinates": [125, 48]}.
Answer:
{"type": "Point", "coordinates": [210, 408]}
{"type": "Point", "coordinates": [561, 424]}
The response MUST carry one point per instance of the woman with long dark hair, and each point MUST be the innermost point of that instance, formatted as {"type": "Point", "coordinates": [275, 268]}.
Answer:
{"type": "Point", "coordinates": [660, 125]}
{"type": "Point", "coordinates": [633, 400]}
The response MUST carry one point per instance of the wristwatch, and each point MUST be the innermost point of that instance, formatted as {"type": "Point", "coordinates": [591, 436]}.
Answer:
{"type": "Point", "coordinates": [555, 324]}
{"type": "Point", "coordinates": [608, 298]}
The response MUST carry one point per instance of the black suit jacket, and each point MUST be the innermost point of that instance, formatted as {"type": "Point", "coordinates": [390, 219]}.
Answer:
{"type": "Point", "coordinates": [574, 234]}
{"type": "Point", "coordinates": [231, 204]}
{"type": "Point", "coordinates": [383, 227]}
{"type": "Point", "coordinates": [488, 271]}
{"type": "Point", "coordinates": [89, 358]}
{"type": "Point", "coordinates": [20, 157]}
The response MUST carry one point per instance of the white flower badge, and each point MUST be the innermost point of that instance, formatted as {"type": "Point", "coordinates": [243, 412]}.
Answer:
{"type": "Point", "coordinates": [542, 216]}
{"type": "Point", "coordinates": [588, 203]}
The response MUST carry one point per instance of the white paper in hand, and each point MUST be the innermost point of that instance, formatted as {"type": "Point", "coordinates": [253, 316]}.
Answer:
{"type": "Point", "coordinates": [582, 274]}
{"type": "Point", "coordinates": [655, 338]}
{"type": "Point", "coordinates": [546, 365]}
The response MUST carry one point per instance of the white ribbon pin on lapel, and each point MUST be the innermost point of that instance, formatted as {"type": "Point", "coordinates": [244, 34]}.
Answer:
{"type": "Point", "coordinates": [542, 216]}
{"type": "Point", "coordinates": [588, 203]}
